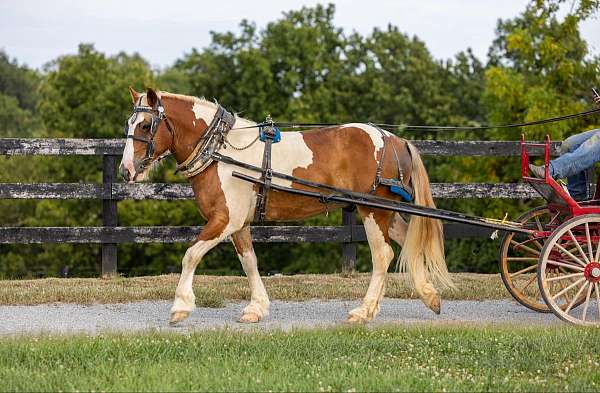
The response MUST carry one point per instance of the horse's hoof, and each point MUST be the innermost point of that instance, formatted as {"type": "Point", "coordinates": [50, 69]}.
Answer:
{"type": "Point", "coordinates": [249, 317]}
{"type": "Point", "coordinates": [355, 319]}
{"type": "Point", "coordinates": [435, 304]}
{"type": "Point", "coordinates": [178, 316]}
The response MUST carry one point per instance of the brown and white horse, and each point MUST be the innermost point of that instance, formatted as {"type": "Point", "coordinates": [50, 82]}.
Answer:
{"type": "Point", "coordinates": [344, 156]}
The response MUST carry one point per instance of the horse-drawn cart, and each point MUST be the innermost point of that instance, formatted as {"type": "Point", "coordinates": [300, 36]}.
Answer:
{"type": "Point", "coordinates": [562, 251]}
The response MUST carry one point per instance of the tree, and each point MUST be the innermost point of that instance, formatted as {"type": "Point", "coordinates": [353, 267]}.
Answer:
{"type": "Point", "coordinates": [539, 66]}
{"type": "Point", "coordinates": [86, 95]}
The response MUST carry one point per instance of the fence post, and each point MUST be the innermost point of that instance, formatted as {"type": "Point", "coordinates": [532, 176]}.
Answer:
{"type": "Point", "coordinates": [109, 215]}
{"type": "Point", "coordinates": [349, 249]}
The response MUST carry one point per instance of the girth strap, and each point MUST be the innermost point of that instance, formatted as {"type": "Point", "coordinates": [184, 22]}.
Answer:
{"type": "Point", "coordinates": [269, 132]}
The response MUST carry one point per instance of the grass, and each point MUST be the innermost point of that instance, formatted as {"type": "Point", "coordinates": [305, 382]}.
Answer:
{"type": "Point", "coordinates": [421, 358]}
{"type": "Point", "coordinates": [214, 291]}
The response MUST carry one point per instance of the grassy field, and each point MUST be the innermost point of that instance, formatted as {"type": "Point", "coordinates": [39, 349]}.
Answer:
{"type": "Point", "coordinates": [214, 291]}
{"type": "Point", "coordinates": [421, 358]}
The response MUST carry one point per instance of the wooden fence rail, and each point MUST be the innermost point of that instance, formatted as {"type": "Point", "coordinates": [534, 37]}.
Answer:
{"type": "Point", "coordinates": [110, 191]}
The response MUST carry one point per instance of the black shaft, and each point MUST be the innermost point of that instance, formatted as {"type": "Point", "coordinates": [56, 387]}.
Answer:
{"type": "Point", "coordinates": [400, 207]}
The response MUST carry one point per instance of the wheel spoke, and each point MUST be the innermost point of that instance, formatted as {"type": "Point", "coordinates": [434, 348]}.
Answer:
{"type": "Point", "coordinates": [538, 223]}
{"type": "Point", "coordinates": [527, 269]}
{"type": "Point", "coordinates": [565, 265]}
{"type": "Point", "coordinates": [585, 284]}
{"type": "Point", "coordinates": [538, 244]}
{"type": "Point", "coordinates": [528, 283]}
{"type": "Point", "coordinates": [520, 246]}
{"type": "Point", "coordinates": [597, 258]}
{"type": "Point", "coordinates": [556, 278]}
{"type": "Point", "coordinates": [554, 218]}
{"type": "Point", "coordinates": [566, 295]}
{"type": "Point", "coordinates": [564, 290]}
{"type": "Point", "coordinates": [579, 247]}
{"type": "Point", "coordinates": [589, 241]}
{"type": "Point", "coordinates": [587, 301]}
{"type": "Point", "coordinates": [573, 257]}
{"type": "Point", "coordinates": [521, 259]}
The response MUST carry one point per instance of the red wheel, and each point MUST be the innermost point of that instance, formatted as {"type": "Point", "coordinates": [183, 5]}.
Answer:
{"type": "Point", "coordinates": [519, 255]}
{"type": "Point", "coordinates": [569, 270]}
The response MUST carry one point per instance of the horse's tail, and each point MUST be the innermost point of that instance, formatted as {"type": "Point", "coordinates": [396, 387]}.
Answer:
{"type": "Point", "coordinates": [424, 242]}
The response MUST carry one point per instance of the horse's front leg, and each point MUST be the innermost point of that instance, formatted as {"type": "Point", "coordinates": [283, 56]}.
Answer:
{"type": "Point", "coordinates": [211, 235]}
{"type": "Point", "coordinates": [259, 300]}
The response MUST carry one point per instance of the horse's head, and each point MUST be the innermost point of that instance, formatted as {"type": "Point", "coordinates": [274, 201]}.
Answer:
{"type": "Point", "coordinates": [149, 135]}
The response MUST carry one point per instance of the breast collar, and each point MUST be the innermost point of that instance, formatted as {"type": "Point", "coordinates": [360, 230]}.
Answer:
{"type": "Point", "coordinates": [213, 139]}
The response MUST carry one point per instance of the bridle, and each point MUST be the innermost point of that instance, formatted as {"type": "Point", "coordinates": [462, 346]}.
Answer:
{"type": "Point", "coordinates": [157, 114]}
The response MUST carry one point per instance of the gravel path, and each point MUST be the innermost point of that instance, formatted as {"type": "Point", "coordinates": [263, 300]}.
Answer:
{"type": "Point", "coordinates": [153, 315]}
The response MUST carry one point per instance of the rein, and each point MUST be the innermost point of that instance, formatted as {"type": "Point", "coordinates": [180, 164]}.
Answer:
{"type": "Point", "coordinates": [436, 128]}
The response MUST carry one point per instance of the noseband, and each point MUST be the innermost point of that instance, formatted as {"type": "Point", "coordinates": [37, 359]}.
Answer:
{"type": "Point", "coordinates": [157, 114]}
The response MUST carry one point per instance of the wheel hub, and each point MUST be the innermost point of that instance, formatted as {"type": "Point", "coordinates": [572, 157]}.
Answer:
{"type": "Point", "coordinates": [592, 272]}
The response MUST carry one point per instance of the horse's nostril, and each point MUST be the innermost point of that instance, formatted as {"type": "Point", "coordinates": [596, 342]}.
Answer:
{"type": "Point", "coordinates": [124, 172]}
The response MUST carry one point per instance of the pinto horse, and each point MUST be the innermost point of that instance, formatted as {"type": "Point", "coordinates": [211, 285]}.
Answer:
{"type": "Point", "coordinates": [345, 156]}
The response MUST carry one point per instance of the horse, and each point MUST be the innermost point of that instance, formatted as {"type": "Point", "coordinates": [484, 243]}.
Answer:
{"type": "Point", "coordinates": [345, 156]}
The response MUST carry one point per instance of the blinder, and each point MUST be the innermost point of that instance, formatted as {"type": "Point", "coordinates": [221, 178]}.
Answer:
{"type": "Point", "coordinates": [157, 114]}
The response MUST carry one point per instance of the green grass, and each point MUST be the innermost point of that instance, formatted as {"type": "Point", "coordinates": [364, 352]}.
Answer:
{"type": "Point", "coordinates": [421, 358]}
{"type": "Point", "coordinates": [214, 291]}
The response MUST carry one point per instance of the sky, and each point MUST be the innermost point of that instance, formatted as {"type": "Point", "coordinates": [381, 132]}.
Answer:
{"type": "Point", "coordinates": [35, 31]}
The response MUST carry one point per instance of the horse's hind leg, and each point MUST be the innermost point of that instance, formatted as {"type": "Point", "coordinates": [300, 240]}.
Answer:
{"type": "Point", "coordinates": [424, 288]}
{"type": "Point", "coordinates": [376, 224]}
{"type": "Point", "coordinates": [259, 301]}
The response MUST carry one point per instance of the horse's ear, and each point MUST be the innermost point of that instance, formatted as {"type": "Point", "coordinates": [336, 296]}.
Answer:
{"type": "Point", "coordinates": [151, 97]}
{"type": "Point", "coordinates": [134, 94]}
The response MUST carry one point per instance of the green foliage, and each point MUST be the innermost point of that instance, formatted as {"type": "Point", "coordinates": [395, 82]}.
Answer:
{"type": "Point", "coordinates": [539, 66]}
{"type": "Point", "coordinates": [86, 95]}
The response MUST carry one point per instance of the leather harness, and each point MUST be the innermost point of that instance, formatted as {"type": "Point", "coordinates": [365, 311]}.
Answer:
{"type": "Point", "coordinates": [157, 114]}
{"type": "Point", "coordinates": [215, 137]}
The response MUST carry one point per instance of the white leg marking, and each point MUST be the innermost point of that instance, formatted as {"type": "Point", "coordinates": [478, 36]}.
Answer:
{"type": "Point", "coordinates": [381, 254]}
{"type": "Point", "coordinates": [185, 300]}
{"type": "Point", "coordinates": [259, 300]}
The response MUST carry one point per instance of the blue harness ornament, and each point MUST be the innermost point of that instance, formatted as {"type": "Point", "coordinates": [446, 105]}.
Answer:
{"type": "Point", "coordinates": [399, 190]}
{"type": "Point", "coordinates": [276, 134]}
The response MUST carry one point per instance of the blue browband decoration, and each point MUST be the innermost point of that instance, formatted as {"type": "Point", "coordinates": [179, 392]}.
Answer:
{"type": "Point", "coordinates": [263, 137]}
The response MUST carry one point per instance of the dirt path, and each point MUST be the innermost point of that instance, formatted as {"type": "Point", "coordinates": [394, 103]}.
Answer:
{"type": "Point", "coordinates": [153, 315]}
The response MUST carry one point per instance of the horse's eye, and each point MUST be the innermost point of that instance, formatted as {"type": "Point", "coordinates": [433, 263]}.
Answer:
{"type": "Point", "coordinates": [146, 127]}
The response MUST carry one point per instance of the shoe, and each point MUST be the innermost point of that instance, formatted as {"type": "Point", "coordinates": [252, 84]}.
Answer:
{"type": "Point", "coordinates": [538, 171]}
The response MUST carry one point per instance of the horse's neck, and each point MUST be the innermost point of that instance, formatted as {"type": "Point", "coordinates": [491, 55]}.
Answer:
{"type": "Point", "coordinates": [243, 133]}
{"type": "Point", "coordinates": [191, 128]}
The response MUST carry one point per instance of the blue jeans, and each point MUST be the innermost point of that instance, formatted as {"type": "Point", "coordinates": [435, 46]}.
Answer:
{"type": "Point", "coordinates": [579, 153]}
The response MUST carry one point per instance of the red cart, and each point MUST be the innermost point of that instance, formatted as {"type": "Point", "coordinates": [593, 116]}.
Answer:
{"type": "Point", "coordinates": [561, 252]}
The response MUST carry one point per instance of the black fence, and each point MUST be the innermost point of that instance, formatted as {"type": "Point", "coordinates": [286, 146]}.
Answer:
{"type": "Point", "coordinates": [111, 191]}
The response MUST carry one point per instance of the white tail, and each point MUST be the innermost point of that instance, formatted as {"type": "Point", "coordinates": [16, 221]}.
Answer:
{"type": "Point", "coordinates": [424, 242]}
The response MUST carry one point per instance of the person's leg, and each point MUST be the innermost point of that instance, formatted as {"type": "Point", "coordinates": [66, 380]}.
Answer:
{"type": "Point", "coordinates": [574, 141]}
{"type": "Point", "coordinates": [578, 160]}
{"type": "Point", "coordinates": [578, 183]}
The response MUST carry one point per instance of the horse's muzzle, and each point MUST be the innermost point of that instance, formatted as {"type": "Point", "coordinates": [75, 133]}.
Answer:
{"type": "Point", "coordinates": [125, 174]}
